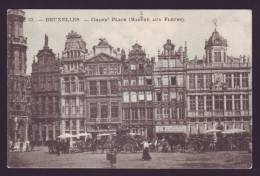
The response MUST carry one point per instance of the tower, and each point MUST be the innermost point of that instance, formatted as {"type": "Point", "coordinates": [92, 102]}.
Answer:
{"type": "Point", "coordinates": [17, 105]}
{"type": "Point", "coordinates": [216, 48]}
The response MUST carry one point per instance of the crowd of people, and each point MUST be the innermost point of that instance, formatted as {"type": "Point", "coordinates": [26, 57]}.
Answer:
{"type": "Point", "coordinates": [22, 146]}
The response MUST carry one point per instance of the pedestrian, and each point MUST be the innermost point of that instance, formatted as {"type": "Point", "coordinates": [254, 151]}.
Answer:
{"type": "Point", "coordinates": [112, 157]}
{"type": "Point", "coordinates": [146, 156]}
{"type": "Point", "coordinates": [32, 145]}
{"type": "Point", "coordinates": [94, 143]}
{"type": "Point", "coordinates": [21, 146]}
{"type": "Point", "coordinates": [58, 146]}
{"type": "Point", "coordinates": [27, 146]}
{"type": "Point", "coordinates": [10, 145]}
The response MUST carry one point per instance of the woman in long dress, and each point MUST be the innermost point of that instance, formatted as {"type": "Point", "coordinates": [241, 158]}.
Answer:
{"type": "Point", "coordinates": [146, 156]}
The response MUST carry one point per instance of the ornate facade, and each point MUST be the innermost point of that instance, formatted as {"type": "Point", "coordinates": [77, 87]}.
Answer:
{"type": "Point", "coordinates": [137, 91]}
{"type": "Point", "coordinates": [45, 83]}
{"type": "Point", "coordinates": [17, 105]}
{"type": "Point", "coordinates": [100, 90]}
{"type": "Point", "coordinates": [90, 96]}
{"type": "Point", "coordinates": [170, 90]}
{"type": "Point", "coordinates": [219, 89]}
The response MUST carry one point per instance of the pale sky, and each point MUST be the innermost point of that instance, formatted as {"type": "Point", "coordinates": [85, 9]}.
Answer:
{"type": "Point", "coordinates": [233, 25]}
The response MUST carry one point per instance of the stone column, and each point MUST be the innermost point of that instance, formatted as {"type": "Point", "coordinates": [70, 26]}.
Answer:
{"type": "Point", "coordinates": [77, 126]}
{"type": "Point", "coordinates": [53, 132]}
{"type": "Point", "coordinates": [26, 131]}
{"type": "Point", "coordinates": [213, 103]}
{"type": "Point", "coordinates": [108, 87]}
{"type": "Point", "coordinates": [204, 81]}
{"type": "Point", "coordinates": [197, 104]}
{"type": "Point", "coordinates": [188, 102]}
{"type": "Point", "coordinates": [196, 83]}
{"type": "Point", "coordinates": [240, 80]}
{"type": "Point", "coordinates": [205, 103]}
{"type": "Point", "coordinates": [40, 131]}
{"type": "Point", "coordinates": [232, 80]}
{"type": "Point", "coordinates": [178, 114]}
{"type": "Point", "coordinates": [47, 132]}
{"type": "Point", "coordinates": [33, 132]}
{"type": "Point", "coordinates": [241, 102]}
{"type": "Point", "coordinates": [225, 103]}
{"type": "Point", "coordinates": [233, 103]}
{"type": "Point", "coordinates": [62, 127]}
{"type": "Point", "coordinates": [187, 81]}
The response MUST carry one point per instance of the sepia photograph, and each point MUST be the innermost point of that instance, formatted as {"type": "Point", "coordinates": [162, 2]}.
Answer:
{"type": "Point", "coordinates": [129, 89]}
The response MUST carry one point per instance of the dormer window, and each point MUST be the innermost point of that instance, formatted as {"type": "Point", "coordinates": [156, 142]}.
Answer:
{"type": "Point", "coordinates": [133, 67]}
{"type": "Point", "coordinates": [217, 56]}
{"type": "Point", "coordinates": [141, 67]}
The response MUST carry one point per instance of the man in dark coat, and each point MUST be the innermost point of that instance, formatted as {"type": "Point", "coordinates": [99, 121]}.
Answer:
{"type": "Point", "coordinates": [58, 146]}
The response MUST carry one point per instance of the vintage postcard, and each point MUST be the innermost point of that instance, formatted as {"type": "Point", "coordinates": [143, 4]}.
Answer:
{"type": "Point", "coordinates": [129, 89]}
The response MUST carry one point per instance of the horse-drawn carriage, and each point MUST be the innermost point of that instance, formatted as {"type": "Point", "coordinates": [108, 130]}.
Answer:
{"type": "Point", "coordinates": [186, 144]}
{"type": "Point", "coordinates": [127, 142]}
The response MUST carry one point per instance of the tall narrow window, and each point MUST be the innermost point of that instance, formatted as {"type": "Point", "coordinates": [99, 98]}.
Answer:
{"type": "Point", "coordinates": [245, 103]}
{"type": "Point", "coordinates": [141, 96]}
{"type": "Point", "coordinates": [133, 97]}
{"type": "Point", "coordinates": [142, 113]}
{"type": "Point", "coordinates": [228, 80]}
{"type": "Point", "coordinates": [113, 69]}
{"type": "Point", "coordinates": [229, 102]}
{"type": "Point", "coordinates": [93, 87]}
{"type": "Point", "coordinates": [158, 81]}
{"type": "Point", "coordinates": [93, 110]}
{"type": "Point", "coordinates": [245, 79]}
{"type": "Point", "coordinates": [159, 113]}
{"type": "Point", "coordinates": [236, 80]}
{"type": "Point", "coordinates": [81, 84]}
{"type": "Point", "coordinates": [192, 81]}
{"type": "Point", "coordinates": [114, 86]}
{"type": "Point", "coordinates": [81, 106]}
{"type": "Point", "coordinates": [165, 80]}
{"type": "Point", "coordinates": [134, 114]}
{"type": "Point", "coordinates": [201, 103]}
{"type": "Point", "coordinates": [165, 96]}
{"type": "Point", "coordinates": [104, 110]}
{"type": "Point", "coordinates": [217, 56]}
{"type": "Point", "coordinates": [67, 106]}
{"type": "Point", "coordinates": [127, 114]}
{"type": "Point", "coordinates": [150, 113]}
{"type": "Point", "coordinates": [208, 80]}
{"type": "Point", "coordinates": [200, 81]}
{"type": "Point", "coordinates": [126, 82]}
{"type": "Point", "coordinates": [92, 70]}
{"type": "Point", "coordinates": [159, 96]}
{"type": "Point", "coordinates": [192, 103]}
{"type": "Point", "coordinates": [141, 80]}
{"type": "Point", "coordinates": [141, 67]}
{"type": "Point", "coordinates": [149, 96]}
{"type": "Point", "coordinates": [125, 96]}
{"type": "Point", "coordinates": [237, 102]}
{"type": "Point", "coordinates": [103, 87]}
{"type": "Point", "coordinates": [165, 113]}
{"type": "Point", "coordinates": [173, 80]}
{"type": "Point", "coordinates": [114, 109]}
{"type": "Point", "coordinates": [219, 103]}
{"type": "Point", "coordinates": [73, 105]}
{"type": "Point", "coordinates": [133, 81]}
{"type": "Point", "coordinates": [73, 84]}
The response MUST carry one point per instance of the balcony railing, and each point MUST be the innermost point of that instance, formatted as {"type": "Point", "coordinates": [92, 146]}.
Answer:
{"type": "Point", "coordinates": [73, 58]}
{"type": "Point", "coordinates": [218, 113]}
{"type": "Point", "coordinates": [139, 121]}
{"type": "Point", "coordinates": [219, 65]}
{"type": "Point", "coordinates": [170, 121]}
{"type": "Point", "coordinates": [103, 120]}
